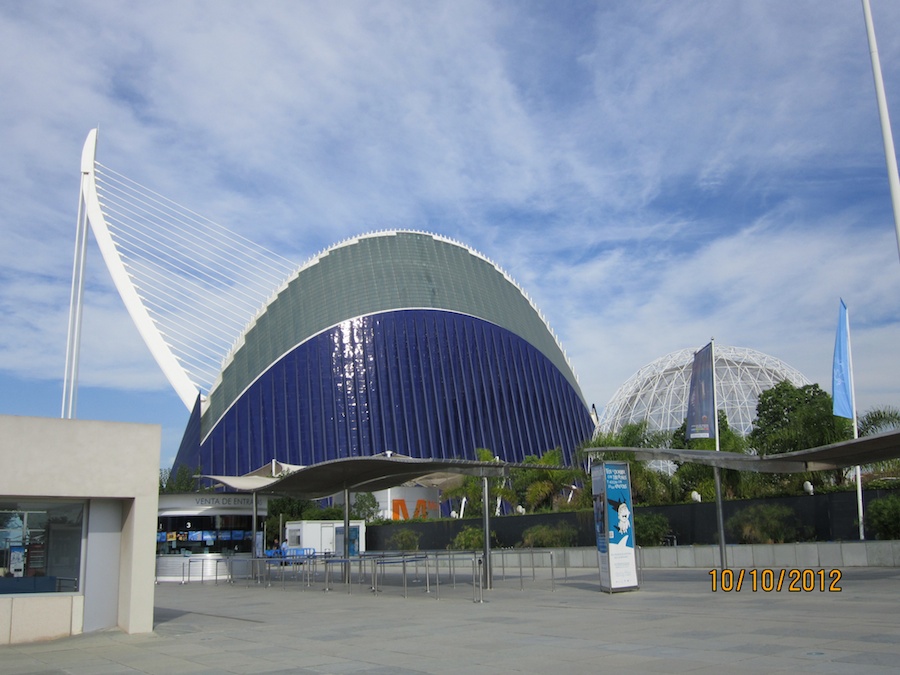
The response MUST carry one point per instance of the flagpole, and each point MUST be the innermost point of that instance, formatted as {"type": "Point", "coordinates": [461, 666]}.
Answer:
{"type": "Point", "coordinates": [843, 393]}
{"type": "Point", "coordinates": [859, 496]}
{"type": "Point", "coordinates": [888, 138]}
{"type": "Point", "coordinates": [720, 517]}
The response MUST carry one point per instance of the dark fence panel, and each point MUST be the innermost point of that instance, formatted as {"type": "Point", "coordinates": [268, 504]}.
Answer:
{"type": "Point", "coordinates": [439, 534]}
{"type": "Point", "coordinates": [827, 517]}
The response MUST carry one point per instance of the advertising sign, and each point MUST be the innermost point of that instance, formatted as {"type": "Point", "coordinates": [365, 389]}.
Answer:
{"type": "Point", "coordinates": [614, 525]}
{"type": "Point", "coordinates": [17, 561]}
{"type": "Point", "coordinates": [701, 412]}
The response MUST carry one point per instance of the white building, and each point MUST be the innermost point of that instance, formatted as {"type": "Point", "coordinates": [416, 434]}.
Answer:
{"type": "Point", "coordinates": [78, 503]}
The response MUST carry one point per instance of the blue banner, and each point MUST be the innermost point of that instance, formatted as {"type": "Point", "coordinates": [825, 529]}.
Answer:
{"type": "Point", "coordinates": [701, 420]}
{"type": "Point", "coordinates": [841, 380]}
{"type": "Point", "coordinates": [613, 514]}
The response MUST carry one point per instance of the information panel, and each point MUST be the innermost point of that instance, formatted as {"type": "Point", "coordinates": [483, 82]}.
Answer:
{"type": "Point", "coordinates": [614, 524]}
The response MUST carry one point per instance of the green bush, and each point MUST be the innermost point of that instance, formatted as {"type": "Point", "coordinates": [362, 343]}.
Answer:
{"type": "Point", "coordinates": [765, 524]}
{"type": "Point", "coordinates": [545, 536]}
{"type": "Point", "coordinates": [880, 483]}
{"type": "Point", "coordinates": [365, 507]}
{"type": "Point", "coordinates": [404, 540]}
{"type": "Point", "coordinates": [883, 517]}
{"type": "Point", "coordinates": [650, 529]}
{"type": "Point", "coordinates": [469, 539]}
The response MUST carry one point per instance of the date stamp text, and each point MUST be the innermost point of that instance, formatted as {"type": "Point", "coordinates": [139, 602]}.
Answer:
{"type": "Point", "coordinates": [775, 581]}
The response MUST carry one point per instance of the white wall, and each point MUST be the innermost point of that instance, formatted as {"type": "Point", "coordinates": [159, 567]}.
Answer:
{"type": "Point", "coordinates": [115, 467]}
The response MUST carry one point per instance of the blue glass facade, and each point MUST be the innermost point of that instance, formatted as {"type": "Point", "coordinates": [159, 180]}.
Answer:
{"type": "Point", "coordinates": [421, 383]}
{"type": "Point", "coordinates": [398, 341]}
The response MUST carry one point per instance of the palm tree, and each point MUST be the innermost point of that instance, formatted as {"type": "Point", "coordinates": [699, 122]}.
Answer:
{"type": "Point", "coordinates": [879, 420]}
{"type": "Point", "coordinates": [542, 489]}
{"type": "Point", "coordinates": [471, 488]}
{"type": "Point", "coordinates": [648, 485]}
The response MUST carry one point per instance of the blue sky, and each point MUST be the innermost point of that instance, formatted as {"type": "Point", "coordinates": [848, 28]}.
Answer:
{"type": "Point", "coordinates": [652, 174]}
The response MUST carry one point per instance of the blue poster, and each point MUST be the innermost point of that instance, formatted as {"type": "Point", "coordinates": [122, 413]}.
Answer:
{"type": "Point", "coordinates": [614, 523]}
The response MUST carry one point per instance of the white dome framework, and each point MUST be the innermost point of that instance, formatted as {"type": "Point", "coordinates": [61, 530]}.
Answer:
{"type": "Point", "coordinates": [658, 392]}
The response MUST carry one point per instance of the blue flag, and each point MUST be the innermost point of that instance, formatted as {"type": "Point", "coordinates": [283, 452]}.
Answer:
{"type": "Point", "coordinates": [701, 410]}
{"type": "Point", "coordinates": [841, 379]}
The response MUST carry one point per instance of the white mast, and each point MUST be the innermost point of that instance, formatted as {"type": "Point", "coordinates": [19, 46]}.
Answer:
{"type": "Point", "coordinates": [889, 155]}
{"type": "Point", "coordinates": [76, 299]}
{"type": "Point", "coordinates": [859, 495]}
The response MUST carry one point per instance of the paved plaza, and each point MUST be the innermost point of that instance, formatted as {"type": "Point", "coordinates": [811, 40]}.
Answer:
{"type": "Point", "coordinates": [673, 624]}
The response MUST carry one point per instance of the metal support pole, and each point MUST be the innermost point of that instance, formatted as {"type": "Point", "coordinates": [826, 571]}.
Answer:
{"type": "Point", "coordinates": [255, 527]}
{"type": "Point", "coordinates": [488, 582]}
{"type": "Point", "coordinates": [716, 473]}
{"type": "Point", "coordinates": [552, 574]}
{"type": "Point", "coordinates": [720, 519]}
{"type": "Point", "coordinates": [346, 551]}
{"type": "Point", "coordinates": [859, 505]}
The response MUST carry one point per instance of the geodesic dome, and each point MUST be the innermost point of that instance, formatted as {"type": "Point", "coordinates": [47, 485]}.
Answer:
{"type": "Point", "coordinates": [658, 392]}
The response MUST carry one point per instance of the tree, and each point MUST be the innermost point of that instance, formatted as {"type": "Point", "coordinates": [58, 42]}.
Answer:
{"type": "Point", "coordinates": [183, 480]}
{"type": "Point", "coordinates": [700, 478]}
{"type": "Point", "coordinates": [365, 507]}
{"type": "Point", "coordinates": [540, 489]}
{"type": "Point", "coordinates": [879, 420]}
{"type": "Point", "coordinates": [648, 486]}
{"type": "Point", "coordinates": [790, 418]}
{"type": "Point", "coordinates": [470, 487]}
{"type": "Point", "coordinates": [883, 517]}
{"type": "Point", "coordinates": [633, 435]}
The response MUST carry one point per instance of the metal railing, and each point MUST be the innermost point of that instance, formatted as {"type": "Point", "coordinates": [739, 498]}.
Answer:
{"type": "Point", "coordinates": [383, 570]}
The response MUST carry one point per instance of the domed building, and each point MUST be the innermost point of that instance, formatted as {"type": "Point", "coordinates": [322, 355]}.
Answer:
{"type": "Point", "coordinates": [659, 391]}
{"type": "Point", "coordinates": [396, 341]}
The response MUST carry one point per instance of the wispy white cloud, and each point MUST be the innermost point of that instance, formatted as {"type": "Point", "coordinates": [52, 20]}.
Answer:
{"type": "Point", "coordinates": [652, 174]}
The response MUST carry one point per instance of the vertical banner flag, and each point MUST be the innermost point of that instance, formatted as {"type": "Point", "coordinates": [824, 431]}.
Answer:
{"type": "Point", "coordinates": [841, 382]}
{"type": "Point", "coordinates": [613, 520]}
{"type": "Point", "coordinates": [701, 400]}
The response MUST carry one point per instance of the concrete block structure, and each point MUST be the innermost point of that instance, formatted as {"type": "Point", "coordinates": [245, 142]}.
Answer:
{"type": "Point", "coordinates": [78, 508]}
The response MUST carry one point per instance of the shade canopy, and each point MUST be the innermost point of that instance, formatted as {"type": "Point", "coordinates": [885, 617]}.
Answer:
{"type": "Point", "coordinates": [367, 474]}
{"type": "Point", "coordinates": [858, 451]}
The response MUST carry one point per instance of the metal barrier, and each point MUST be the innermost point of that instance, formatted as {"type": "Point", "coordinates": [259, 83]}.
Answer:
{"type": "Point", "coordinates": [381, 562]}
{"type": "Point", "coordinates": [478, 589]}
{"type": "Point", "coordinates": [300, 569]}
{"type": "Point", "coordinates": [204, 563]}
{"type": "Point", "coordinates": [451, 557]}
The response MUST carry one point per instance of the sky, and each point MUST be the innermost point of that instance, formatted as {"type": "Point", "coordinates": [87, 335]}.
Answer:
{"type": "Point", "coordinates": [652, 174]}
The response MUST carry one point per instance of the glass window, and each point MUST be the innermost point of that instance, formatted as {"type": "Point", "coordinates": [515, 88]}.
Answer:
{"type": "Point", "coordinates": [228, 534]}
{"type": "Point", "coordinates": [40, 545]}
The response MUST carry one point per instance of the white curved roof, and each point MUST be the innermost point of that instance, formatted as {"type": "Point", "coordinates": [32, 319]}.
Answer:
{"type": "Point", "coordinates": [322, 255]}
{"type": "Point", "coordinates": [658, 392]}
{"type": "Point", "coordinates": [373, 273]}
